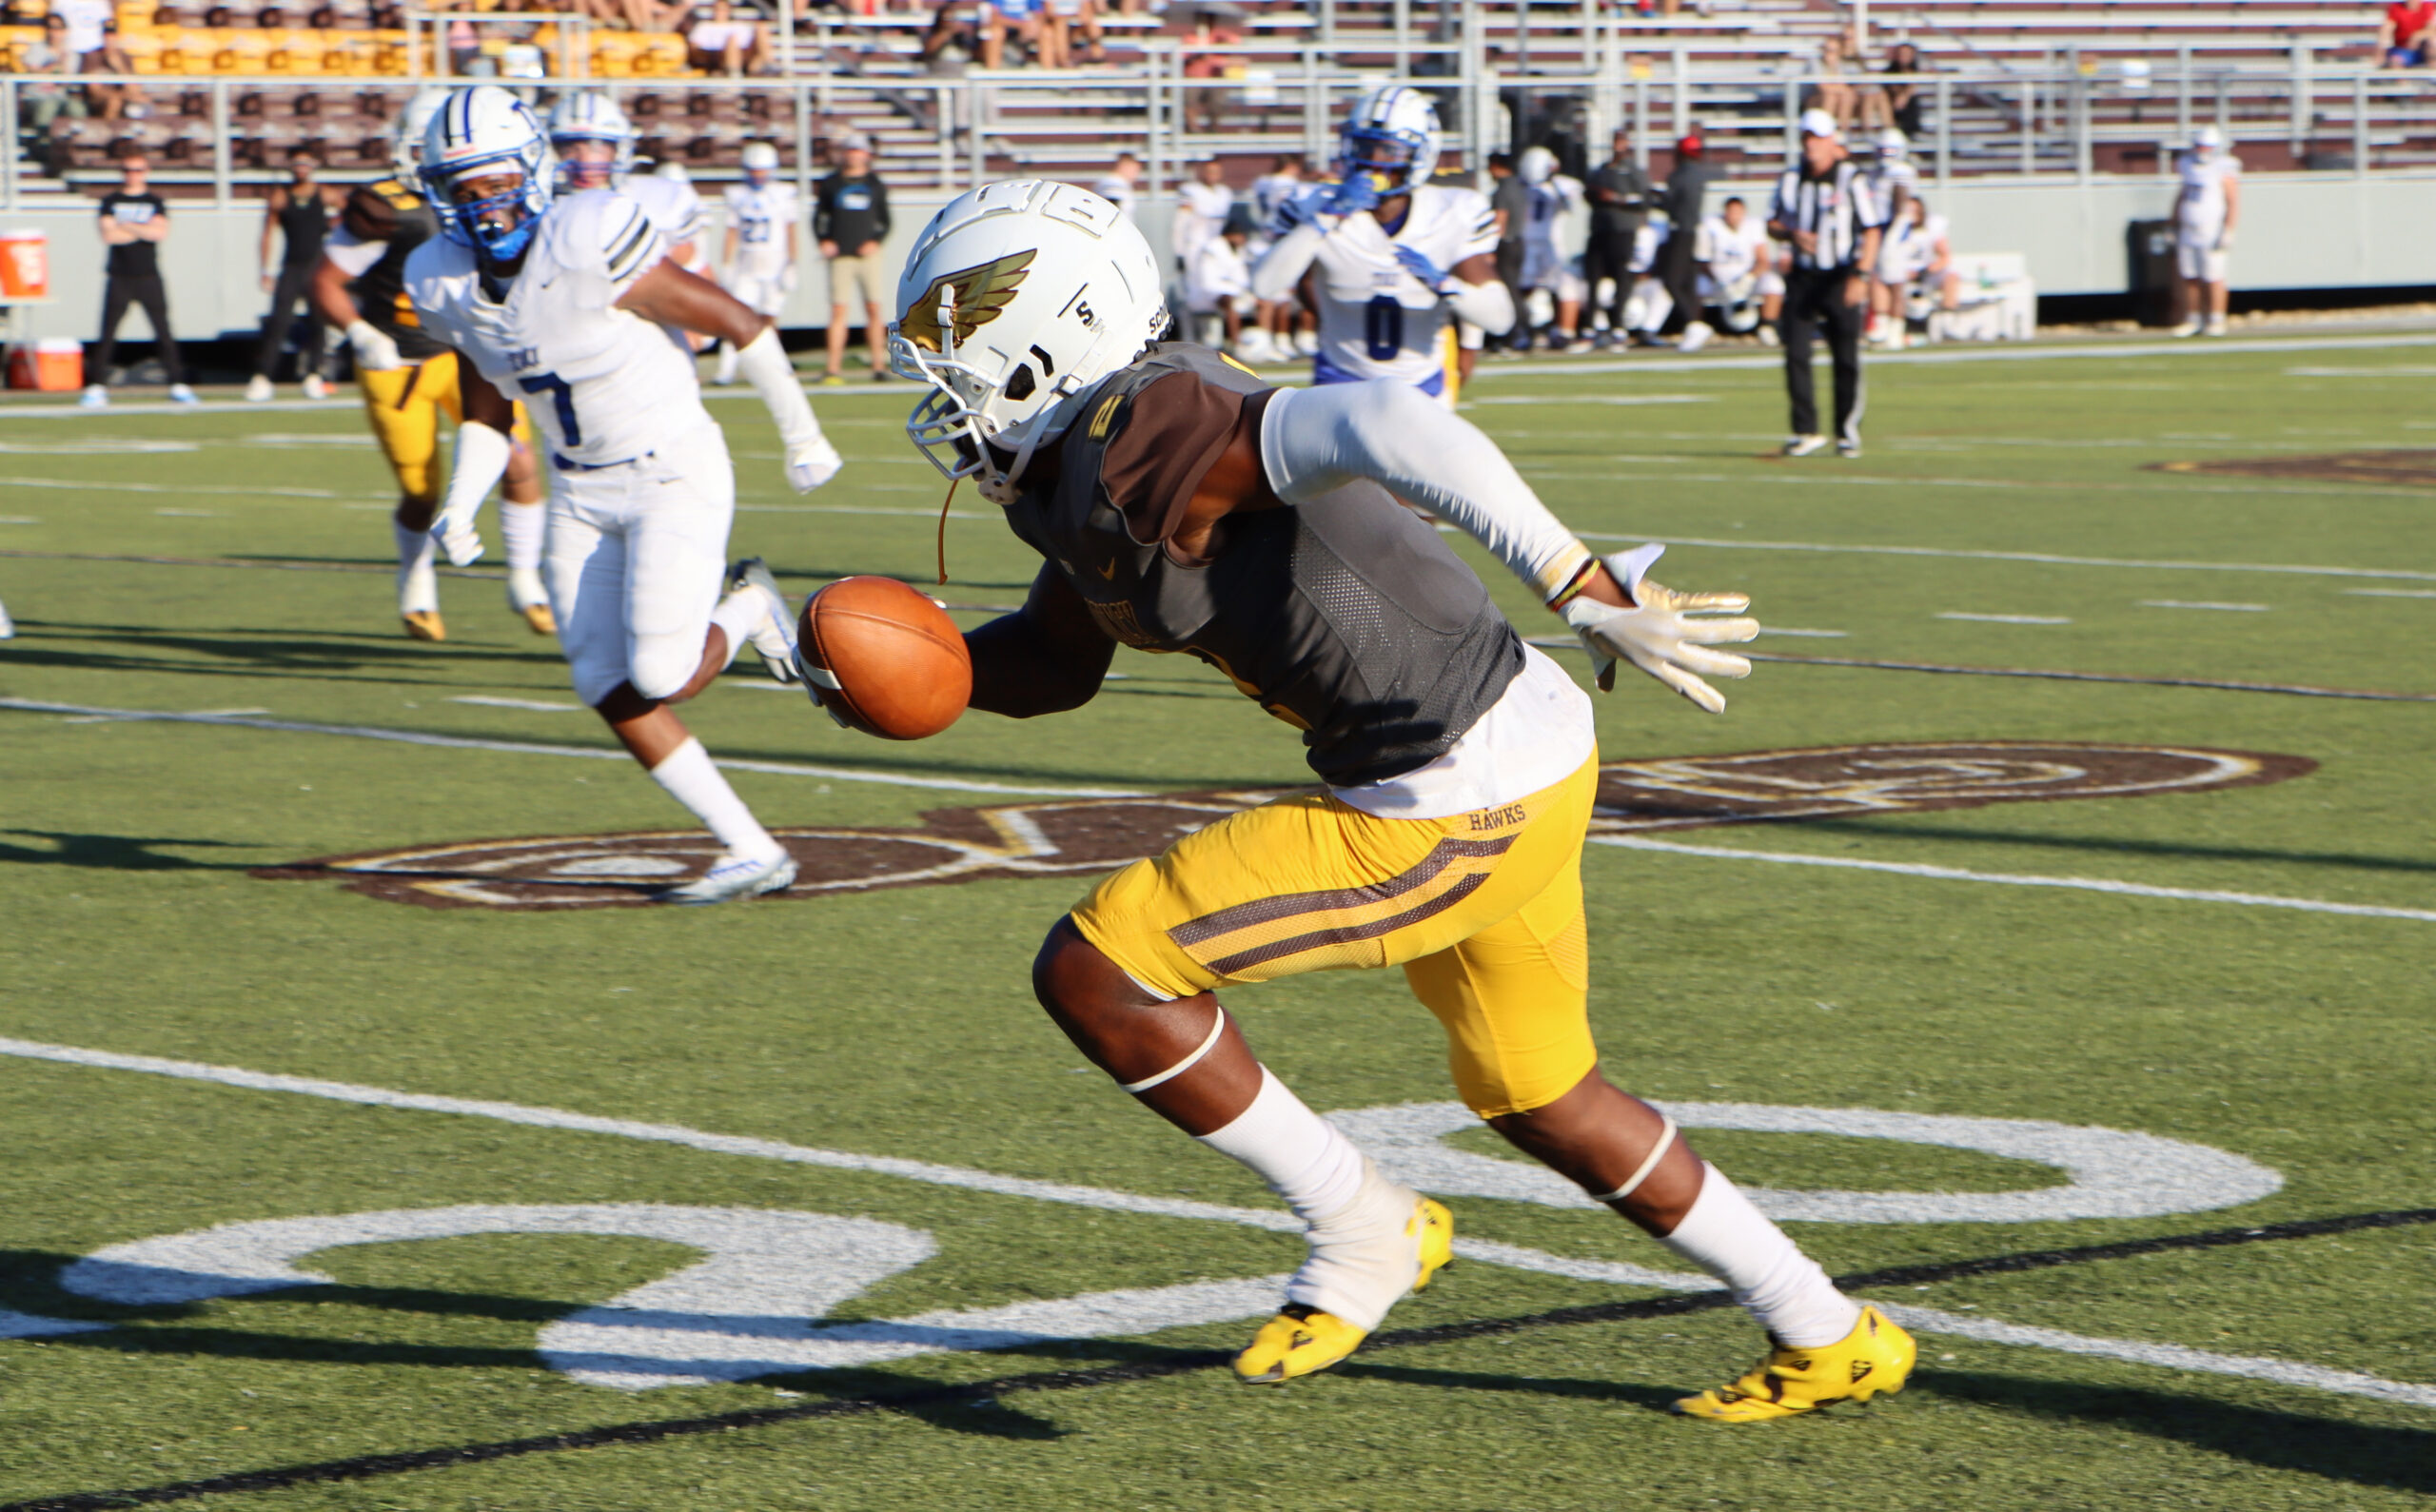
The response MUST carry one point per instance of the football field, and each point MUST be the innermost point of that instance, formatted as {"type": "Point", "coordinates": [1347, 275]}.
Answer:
{"type": "Point", "coordinates": [2047, 927]}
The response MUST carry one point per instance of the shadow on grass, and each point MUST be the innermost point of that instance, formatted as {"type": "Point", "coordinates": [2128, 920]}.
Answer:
{"type": "Point", "coordinates": [114, 852]}
{"type": "Point", "coordinates": [2359, 1453]}
{"type": "Point", "coordinates": [1654, 1398]}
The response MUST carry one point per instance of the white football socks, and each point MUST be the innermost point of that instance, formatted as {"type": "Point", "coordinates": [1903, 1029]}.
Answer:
{"type": "Point", "coordinates": [1363, 1257]}
{"type": "Point", "coordinates": [523, 527]}
{"type": "Point", "coordinates": [1783, 1288]}
{"type": "Point", "coordinates": [418, 579]}
{"type": "Point", "coordinates": [740, 614]}
{"type": "Point", "coordinates": [691, 780]}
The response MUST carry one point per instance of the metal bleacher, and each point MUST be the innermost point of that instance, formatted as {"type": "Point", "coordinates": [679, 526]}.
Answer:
{"type": "Point", "coordinates": [2011, 88]}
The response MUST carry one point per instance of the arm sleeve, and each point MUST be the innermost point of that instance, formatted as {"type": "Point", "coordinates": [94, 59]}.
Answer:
{"type": "Point", "coordinates": [1482, 240]}
{"type": "Point", "coordinates": [481, 462]}
{"type": "Point", "coordinates": [1282, 265]}
{"type": "Point", "coordinates": [1488, 306]}
{"type": "Point", "coordinates": [1313, 441]}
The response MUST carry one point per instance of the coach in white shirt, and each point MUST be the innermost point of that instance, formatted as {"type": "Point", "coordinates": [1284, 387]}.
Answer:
{"type": "Point", "coordinates": [2204, 216]}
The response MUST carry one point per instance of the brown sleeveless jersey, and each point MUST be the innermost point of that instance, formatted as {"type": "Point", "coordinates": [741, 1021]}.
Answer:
{"type": "Point", "coordinates": [1346, 617]}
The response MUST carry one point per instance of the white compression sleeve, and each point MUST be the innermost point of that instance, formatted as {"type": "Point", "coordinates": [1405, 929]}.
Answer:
{"type": "Point", "coordinates": [764, 364]}
{"type": "Point", "coordinates": [1488, 306]}
{"type": "Point", "coordinates": [1313, 441]}
{"type": "Point", "coordinates": [480, 460]}
{"type": "Point", "coordinates": [1282, 267]}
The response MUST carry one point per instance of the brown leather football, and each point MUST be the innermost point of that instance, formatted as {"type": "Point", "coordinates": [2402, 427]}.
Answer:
{"type": "Point", "coordinates": [900, 665]}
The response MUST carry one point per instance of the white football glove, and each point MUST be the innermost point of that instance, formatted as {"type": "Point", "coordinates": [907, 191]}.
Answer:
{"type": "Point", "coordinates": [457, 539]}
{"type": "Point", "coordinates": [814, 678]}
{"type": "Point", "coordinates": [374, 351]}
{"type": "Point", "coordinates": [1658, 635]}
{"type": "Point", "coordinates": [809, 466]}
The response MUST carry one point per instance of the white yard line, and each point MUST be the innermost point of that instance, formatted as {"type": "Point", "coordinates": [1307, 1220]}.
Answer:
{"type": "Point", "coordinates": [2084, 883]}
{"type": "Point", "coordinates": [2391, 593]}
{"type": "Point", "coordinates": [2041, 558]}
{"type": "Point", "coordinates": [486, 701]}
{"type": "Point", "coordinates": [1675, 365]}
{"type": "Point", "coordinates": [2005, 620]}
{"type": "Point", "coordinates": [1143, 1311]}
{"type": "Point", "coordinates": [2183, 603]}
{"type": "Point", "coordinates": [366, 732]}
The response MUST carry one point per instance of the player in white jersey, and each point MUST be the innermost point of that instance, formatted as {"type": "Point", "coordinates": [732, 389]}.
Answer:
{"type": "Point", "coordinates": [1920, 266]}
{"type": "Point", "coordinates": [1894, 182]}
{"type": "Point", "coordinates": [1387, 257]}
{"type": "Point", "coordinates": [1739, 279]}
{"type": "Point", "coordinates": [1553, 196]}
{"type": "Point", "coordinates": [758, 266]}
{"type": "Point", "coordinates": [2204, 215]}
{"type": "Point", "coordinates": [572, 302]}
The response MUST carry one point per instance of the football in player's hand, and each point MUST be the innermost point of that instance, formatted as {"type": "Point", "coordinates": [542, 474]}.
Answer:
{"type": "Point", "coordinates": [885, 657]}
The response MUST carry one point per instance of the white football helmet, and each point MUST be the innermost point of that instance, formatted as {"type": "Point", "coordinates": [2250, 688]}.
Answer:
{"type": "Point", "coordinates": [482, 132]}
{"type": "Point", "coordinates": [1391, 133]}
{"type": "Point", "coordinates": [761, 163]}
{"type": "Point", "coordinates": [590, 115]}
{"type": "Point", "coordinates": [1891, 145]}
{"type": "Point", "coordinates": [1015, 300]}
{"type": "Point", "coordinates": [405, 151]}
{"type": "Point", "coordinates": [1536, 166]}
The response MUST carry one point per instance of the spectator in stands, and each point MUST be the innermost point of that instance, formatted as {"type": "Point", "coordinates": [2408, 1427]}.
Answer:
{"type": "Point", "coordinates": [953, 42]}
{"type": "Point", "coordinates": [2204, 214]}
{"type": "Point", "coordinates": [850, 221]}
{"type": "Point", "coordinates": [1218, 291]}
{"type": "Point", "coordinates": [92, 37]}
{"type": "Point", "coordinates": [1903, 101]}
{"type": "Point", "coordinates": [1120, 186]}
{"type": "Point", "coordinates": [47, 100]}
{"type": "Point", "coordinates": [134, 223]}
{"type": "Point", "coordinates": [1076, 21]}
{"type": "Point", "coordinates": [1685, 201]}
{"type": "Point", "coordinates": [725, 45]}
{"type": "Point", "coordinates": [2404, 37]}
{"type": "Point", "coordinates": [636, 16]}
{"type": "Point", "coordinates": [1620, 199]}
{"type": "Point", "coordinates": [1201, 209]}
{"type": "Point", "coordinates": [1833, 93]}
{"type": "Point", "coordinates": [1027, 22]}
{"type": "Point", "coordinates": [1217, 27]}
{"type": "Point", "coordinates": [296, 214]}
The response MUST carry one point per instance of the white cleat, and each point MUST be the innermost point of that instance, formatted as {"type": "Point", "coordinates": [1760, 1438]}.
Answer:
{"type": "Point", "coordinates": [2219, 325]}
{"type": "Point", "coordinates": [181, 394]}
{"type": "Point", "coordinates": [1850, 450]}
{"type": "Point", "coordinates": [96, 397]}
{"type": "Point", "coordinates": [259, 390]}
{"type": "Point", "coordinates": [773, 637]}
{"type": "Point", "coordinates": [1805, 445]}
{"type": "Point", "coordinates": [2189, 328]}
{"type": "Point", "coordinates": [813, 466]}
{"type": "Point", "coordinates": [315, 387]}
{"type": "Point", "coordinates": [8, 626]}
{"type": "Point", "coordinates": [734, 876]}
{"type": "Point", "coordinates": [1695, 337]}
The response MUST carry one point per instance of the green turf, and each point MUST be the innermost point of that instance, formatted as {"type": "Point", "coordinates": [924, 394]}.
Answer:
{"type": "Point", "coordinates": [899, 1023]}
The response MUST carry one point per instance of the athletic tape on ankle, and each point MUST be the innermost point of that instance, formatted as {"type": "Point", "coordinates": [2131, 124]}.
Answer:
{"type": "Point", "coordinates": [1216, 1028]}
{"type": "Point", "coordinates": [1665, 1137]}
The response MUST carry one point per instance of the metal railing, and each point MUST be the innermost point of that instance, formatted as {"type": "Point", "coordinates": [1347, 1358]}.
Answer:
{"type": "Point", "coordinates": [2068, 123]}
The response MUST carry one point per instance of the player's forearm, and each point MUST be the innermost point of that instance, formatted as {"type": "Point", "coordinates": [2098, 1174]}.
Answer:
{"type": "Point", "coordinates": [1488, 306]}
{"type": "Point", "coordinates": [1314, 441]}
{"type": "Point", "coordinates": [330, 297]}
{"type": "Point", "coordinates": [1021, 672]}
{"type": "Point", "coordinates": [1287, 257]}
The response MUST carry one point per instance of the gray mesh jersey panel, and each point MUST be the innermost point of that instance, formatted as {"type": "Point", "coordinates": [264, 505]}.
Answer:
{"type": "Point", "coordinates": [1347, 617]}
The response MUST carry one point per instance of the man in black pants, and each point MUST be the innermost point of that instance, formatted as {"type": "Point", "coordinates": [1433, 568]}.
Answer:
{"type": "Point", "coordinates": [1619, 198]}
{"type": "Point", "coordinates": [1685, 201]}
{"type": "Point", "coordinates": [1824, 208]}
{"type": "Point", "coordinates": [298, 213]}
{"type": "Point", "coordinates": [134, 223]}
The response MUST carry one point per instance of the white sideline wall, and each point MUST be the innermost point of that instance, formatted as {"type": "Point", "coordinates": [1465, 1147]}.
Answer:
{"type": "Point", "coordinates": [2298, 232]}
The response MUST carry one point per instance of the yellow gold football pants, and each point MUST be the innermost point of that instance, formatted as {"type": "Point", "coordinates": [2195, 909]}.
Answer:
{"type": "Point", "coordinates": [404, 406]}
{"type": "Point", "coordinates": [1482, 911]}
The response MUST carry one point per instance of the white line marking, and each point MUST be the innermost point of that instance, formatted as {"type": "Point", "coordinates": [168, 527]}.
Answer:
{"type": "Point", "coordinates": [89, 486]}
{"type": "Point", "coordinates": [2085, 884]}
{"type": "Point", "coordinates": [1782, 630]}
{"type": "Point", "coordinates": [99, 446]}
{"type": "Point", "coordinates": [2391, 592]}
{"type": "Point", "coordinates": [1130, 1312]}
{"type": "Point", "coordinates": [111, 718]}
{"type": "Point", "coordinates": [190, 514]}
{"type": "Point", "coordinates": [2008, 620]}
{"type": "Point", "coordinates": [2171, 1356]}
{"type": "Point", "coordinates": [2044, 559]}
{"type": "Point", "coordinates": [18, 519]}
{"type": "Point", "coordinates": [26, 1325]}
{"type": "Point", "coordinates": [2181, 603]}
{"type": "Point", "coordinates": [454, 742]}
{"type": "Point", "coordinates": [1678, 367]}
{"type": "Point", "coordinates": [1594, 398]}
{"type": "Point", "coordinates": [486, 701]}
{"type": "Point", "coordinates": [2398, 370]}
{"type": "Point", "coordinates": [216, 408]}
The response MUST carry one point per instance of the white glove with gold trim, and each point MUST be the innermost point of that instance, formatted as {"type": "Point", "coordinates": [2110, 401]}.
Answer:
{"type": "Point", "coordinates": [1660, 634]}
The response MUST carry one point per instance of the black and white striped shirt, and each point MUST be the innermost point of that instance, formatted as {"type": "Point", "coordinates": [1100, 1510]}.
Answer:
{"type": "Point", "coordinates": [1837, 208]}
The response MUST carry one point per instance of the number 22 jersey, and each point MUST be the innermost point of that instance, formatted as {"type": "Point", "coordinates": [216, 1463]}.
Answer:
{"type": "Point", "coordinates": [606, 386]}
{"type": "Point", "coordinates": [1376, 319]}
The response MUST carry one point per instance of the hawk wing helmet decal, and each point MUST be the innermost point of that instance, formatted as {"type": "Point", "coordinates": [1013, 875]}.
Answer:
{"type": "Point", "coordinates": [974, 297]}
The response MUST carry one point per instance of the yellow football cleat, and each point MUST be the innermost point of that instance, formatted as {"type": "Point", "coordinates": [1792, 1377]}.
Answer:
{"type": "Point", "coordinates": [424, 624]}
{"type": "Point", "coordinates": [1302, 1341]}
{"type": "Point", "coordinates": [1876, 1356]}
{"type": "Point", "coordinates": [538, 617]}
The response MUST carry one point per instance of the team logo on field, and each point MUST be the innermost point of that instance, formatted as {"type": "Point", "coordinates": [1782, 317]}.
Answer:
{"type": "Point", "coordinates": [1089, 837]}
{"type": "Point", "coordinates": [2406, 467]}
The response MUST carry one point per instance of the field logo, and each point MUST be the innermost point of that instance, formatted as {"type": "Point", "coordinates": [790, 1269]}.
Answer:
{"type": "Point", "coordinates": [1089, 837]}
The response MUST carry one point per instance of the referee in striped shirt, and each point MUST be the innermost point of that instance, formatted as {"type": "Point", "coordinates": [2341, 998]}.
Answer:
{"type": "Point", "coordinates": [1826, 209]}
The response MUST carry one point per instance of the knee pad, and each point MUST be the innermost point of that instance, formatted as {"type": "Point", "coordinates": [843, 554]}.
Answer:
{"type": "Point", "coordinates": [660, 671]}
